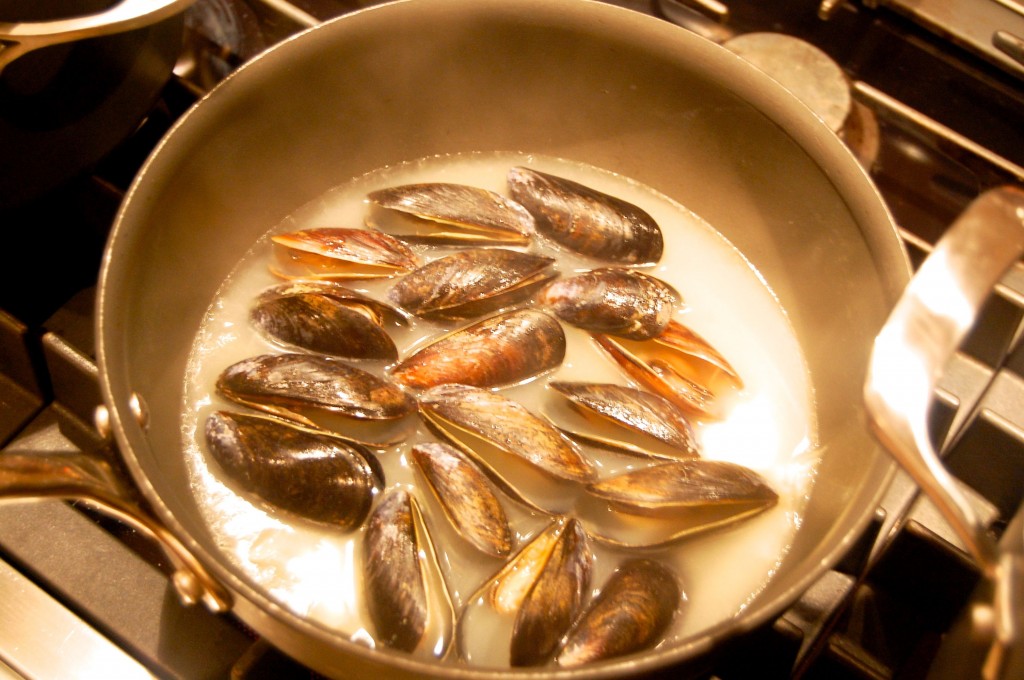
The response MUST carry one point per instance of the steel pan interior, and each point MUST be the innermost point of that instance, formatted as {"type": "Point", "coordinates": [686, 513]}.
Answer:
{"type": "Point", "coordinates": [570, 78]}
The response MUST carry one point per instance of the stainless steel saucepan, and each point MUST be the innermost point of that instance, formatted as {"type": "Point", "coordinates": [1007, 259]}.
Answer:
{"type": "Point", "coordinates": [568, 78]}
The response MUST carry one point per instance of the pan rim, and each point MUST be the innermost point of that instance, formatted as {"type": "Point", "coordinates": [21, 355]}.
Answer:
{"type": "Point", "coordinates": [775, 103]}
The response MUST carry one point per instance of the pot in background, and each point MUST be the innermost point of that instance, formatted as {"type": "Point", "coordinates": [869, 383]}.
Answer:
{"type": "Point", "coordinates": [65, 105]}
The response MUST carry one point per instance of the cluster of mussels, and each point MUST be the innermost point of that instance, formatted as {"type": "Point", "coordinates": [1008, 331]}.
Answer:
{"type": "Point", "coordinates": [289, 457]}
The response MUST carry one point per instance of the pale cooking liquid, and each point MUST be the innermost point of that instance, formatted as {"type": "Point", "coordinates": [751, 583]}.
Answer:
{"type": "Point", "coordinates": [314, 570]}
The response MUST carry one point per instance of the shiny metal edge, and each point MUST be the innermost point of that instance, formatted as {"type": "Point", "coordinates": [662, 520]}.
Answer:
{"type": "Point", "coordinates": [972, 24]}
{"type": "Point", "coordinates": [43, 639]}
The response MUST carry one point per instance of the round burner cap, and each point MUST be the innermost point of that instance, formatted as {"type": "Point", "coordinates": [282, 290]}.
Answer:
{"type": "Point", "coordinates": [801, 68]}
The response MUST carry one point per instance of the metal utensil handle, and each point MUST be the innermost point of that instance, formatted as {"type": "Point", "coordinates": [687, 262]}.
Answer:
{"type": "Point", "coordinates": [923, 331]}
{"type": "Point", "coordinates": [88, 478]}
{"type": "Point", "coordinates": [18, 38]}
{"type": "Point", "coordinates": [925, 328]}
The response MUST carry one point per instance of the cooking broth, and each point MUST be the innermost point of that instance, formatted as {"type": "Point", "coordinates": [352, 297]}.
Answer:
{"type": "Point", "coordinates": [315, 571]}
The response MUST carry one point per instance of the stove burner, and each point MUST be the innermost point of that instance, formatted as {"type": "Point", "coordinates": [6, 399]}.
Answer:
{"type": "Point", "coordinates": [818, 81]}
{"type": "Point", "coordinates": [801, 68]}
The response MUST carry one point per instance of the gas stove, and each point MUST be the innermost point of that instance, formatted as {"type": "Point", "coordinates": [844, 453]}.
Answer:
{"type": "Point", "coordinates": [929, 95]}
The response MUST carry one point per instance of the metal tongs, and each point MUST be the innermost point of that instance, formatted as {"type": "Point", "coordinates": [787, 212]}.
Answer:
{"type": "Point", "coordinates": [19, 38]}
{"type": "Point", "coordinates": [924, 330]}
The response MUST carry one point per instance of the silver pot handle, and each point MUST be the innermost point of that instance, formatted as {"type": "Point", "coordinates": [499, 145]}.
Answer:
{"type": "Point", "coordinates": [19, 38]}
{"type": "Point", "coordinates": [89, 479]}
{"type": "Point", "coordinates": [924, 330]}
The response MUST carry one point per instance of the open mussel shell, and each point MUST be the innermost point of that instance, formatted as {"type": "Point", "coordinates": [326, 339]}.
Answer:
{"type": "Point", "coordinates": [292, 385]}
{"type": "Point", "coordinates": [467, 497]}
{"type": "Point", "coordinates": [587, 221]}
{"type": "Point", "coordinates": [533, 599]}
{"type": "Point", "coordinates": [704, 363]}
{"type": "Point", "coordinates": [677, 364]}
{"type": "Point", "coordinates": [554, 600]}
{"type": "Point", "coordinates": [339, 254]}
{"type": "Point", "coordinates": [406, 594]}
{"type": "Point", "coordinates": [660, 377]}
{"type": "Point", "coordinates": [666, 502]}
{"type": "Point", "coordinates": [450, 213]}
{"type": "Point", "coordinates": [379, 312]}
{"type": "Point", "coordinates": [327, 318]}
{"type": "Point", "coordinates": [631, 613]}
{"type": "Point", "coordinates": [634, 411]}
{"type": "Point", "coordinates": [305, 472]}
{"type": "Point", "coordinates": [662, 490]}
{"type": "Point", "coordinates": [471, 283]}
{"type": "Point", "coordinates": [500, 350]}
{"type": "Point", "coordinates": [613, 300]}
{"type": "Point", "coordinates": [500, 434]}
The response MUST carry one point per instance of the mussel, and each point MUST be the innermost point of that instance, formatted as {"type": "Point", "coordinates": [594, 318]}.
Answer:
{"type": "Point", "coordinates": [406, 594]}
{"type": "Point", "coordinates": [631, 612]}
{"type": "Point", "coordinates": [587, 221]}
{"type": "Point", "coordinates": [614, 300]}
{"type": "Point", "coordinates": [466, 496]}
{"type": "Point", "coordinates": [677, 364]}
{"type": "Point", "coordinates": [554, 599]}
{"type": "Point", "coordinates": [657, 505]}
{"type": "Point", "coordinates": [500, 350]}
{"type": "Point", "coordinates": [634, 412]}
{"type": "Point", "coordinates": [703, 361]}
{"type": "Point", "coordinates": [339, 254]}
{"type": "Point", "coordinates": [328, 318]}
{"type": "Point", "coordinates": [471, 283]}
{"type": "Point", "coordinates": [726, 490]}
{"type": "Point", "coordinates": [536, 596]}
{"type": "Point", "coordinates": [498, 432]}
{"type": "Point", "coordinates": [450, 213]}
{"type": "Point", "coordinates": [295, 385]}
{"type": "Point", "coordinates": [303, 471]}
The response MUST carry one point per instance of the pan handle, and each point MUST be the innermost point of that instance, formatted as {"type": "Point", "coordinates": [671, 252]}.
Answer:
{"type": "Point", "coordinates": [924, 330]}
{"type": "Point", "coordinates": [89, 478]}
{"type": "Point", "coordinates": [19, 38]}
